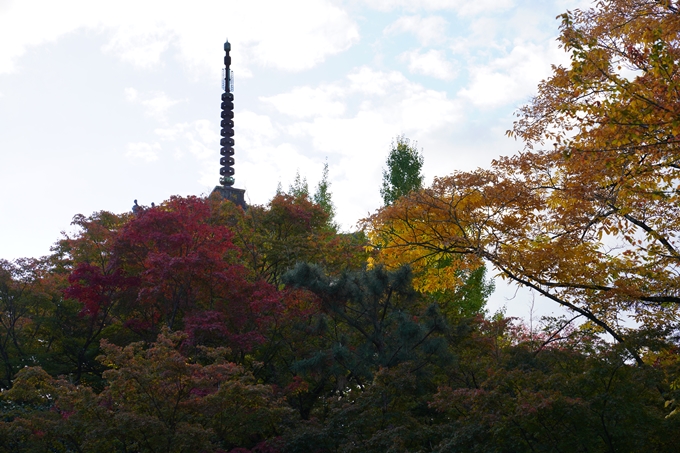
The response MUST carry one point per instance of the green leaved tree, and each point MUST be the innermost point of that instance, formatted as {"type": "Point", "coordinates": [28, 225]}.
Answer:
{"type": "Point", "coordinates": [299, 188]}
{"type": "Point", "coordinates": [322, 196]}
{"type": "Point", "coordinates": [403, 173]}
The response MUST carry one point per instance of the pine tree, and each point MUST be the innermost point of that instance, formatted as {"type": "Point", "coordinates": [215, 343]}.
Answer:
{"type": "Point", "coordinates": [374, 319]}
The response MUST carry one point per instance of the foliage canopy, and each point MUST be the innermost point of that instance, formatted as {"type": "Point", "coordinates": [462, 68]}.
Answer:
{"type": "Point", "coordinates": [196, 326]}
{"type": "Point", "coordinates": [592, 221]}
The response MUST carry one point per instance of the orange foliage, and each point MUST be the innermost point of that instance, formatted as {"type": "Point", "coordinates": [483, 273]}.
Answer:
{"type": "Point", "coordinates": [593, 222]}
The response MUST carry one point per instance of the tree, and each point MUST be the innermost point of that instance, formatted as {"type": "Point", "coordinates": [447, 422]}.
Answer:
{"type": "Point", "coordinates": [592, 222]}
{"type": "Point", "coordinates": [93, 290]}
{"type": "Point", "coordinates": [468, 299]}
{"type": "Point", "coordinates": [611, 177]}
{"type": "Point", "coordinates": [299, 188]}
{"type": "Point", "coordinates": [367, 320]}
{"type": "Point", "coordinates": [290, 229]}
{"type": "Point", "coordinates": [156, 400]}
{"type": "Point", "coordinates": [577, 394]}
{"type": "Point", "coordinates": [172, 265]}
{"type": "Point", "coordinates": [403, 174]}
{"type": "Point", "coordinates": [25, 304]}
{"type": "Point", "coordinates": [181, 260]}
{"type": "Point", "coordinates": [158, 395]}
{"type": "Point", "coordinates": [322, 196]}
{"type": "Point", "coordinates": [354, 361]}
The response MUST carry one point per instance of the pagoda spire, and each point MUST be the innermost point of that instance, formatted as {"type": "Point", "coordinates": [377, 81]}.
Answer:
{"type": "Point", "coordinates": [227, 179]}
{"type": "Point", "coordinates": [227, 123]}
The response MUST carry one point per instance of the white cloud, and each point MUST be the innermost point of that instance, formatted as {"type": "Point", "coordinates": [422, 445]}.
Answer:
{"type": "Point", "coordinates": [201, 140]}
{"type": "Point", "coordinates": [513, 77]}
{"type": "Point", "coordinates": [428, 30]}
{"type": "Point", "coordinates": [472, 7]}
{"type": "Point", "coordinates": [432, 63]}
{"type": "Point", "coordinates": [424, 111]}
{"type": "Point", "coordinates": [389, 105]}
{"type": "Point", "coordinates": [389, 101]}
{"type": "Point", "coordinates": [351, 119]}
{"type": "Point", "coordinates": [198, 137]}
{"type": "Point", "coordinates": [205, 132]}
{"type": "Point", "coordinates": [131, 94]}
{"type": "Point", "coordinates": [261, 168]}
{"type": "Point", "coordinates": [143, 151]}
{"type": "Point", "coordinates": [156, 104]}
{"type": "Point", "coordinates": [367, 81]}
{"type": "Point", "coordinates": [254, 130]}
{"type": "Point", "coordinates": [294, 41]}
{"type": "Point", "coordinates": [484, 33]}
{"type": "Point", "coordinates": [303, 102]}
{"type": "Point", "coordinates": [403, 104]}
{"type": "Point", "coordinates": [463, 7]}
{"type": "Point", "coordinates": [25, 24]}
{"type": "Point", "coordinates": [269, 33]}
{"type": "Point", "coordinates": [142, 49]}
{"type": "Point", "coordinates": [399, 98]}
{"type": "Point", "coordinates": [202, 151]}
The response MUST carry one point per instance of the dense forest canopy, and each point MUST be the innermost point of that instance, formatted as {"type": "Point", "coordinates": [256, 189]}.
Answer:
{"type": "Point", "coordinates": [198, 326]}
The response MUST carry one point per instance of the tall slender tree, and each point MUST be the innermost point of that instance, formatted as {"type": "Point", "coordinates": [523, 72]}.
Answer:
{"type": "Point", "coordinates": [322, 196]}
{"type": "Point", "coordinates": [403, 173]}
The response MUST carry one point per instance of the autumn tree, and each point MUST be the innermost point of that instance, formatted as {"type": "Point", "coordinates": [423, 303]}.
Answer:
{"type": "Point", "coordinates": [26, 305]}
{"type": "Point", "coordinates": [91, 242]}
{"type": "Point", "coordinates": [156, 400]}
{"type": "Point", "coordinates": [553, 389]}
{"type": "Point", "coordinates": [181, 260]}
{"type": "Point", "coordinates": [403, 173]}
{"type": "Point", "coordinates": [289, 229]}
{"type": "Point", "coordinates": [611, 177]}
{"type": "Point", "coordinates": [161, 397]}
{"type": "Point", "coordinates": [433, 271]}
{"type": "Point", "coordinates": [92, 290]}
{"type": "Point", "coordinates": [459, 285]}
{"type": "Point", "coordinates": [356, 361]}
{"type": "Point", "coordinates": [575, 394]}
{"type": "Point", "coordinates": [172, 265]}
{"type": "Point", "coordinates": [591, 222]}
{"type": "Point", "coordinates": [506, 389]}
{"type": "Point", "coordinates": [41, 325]}
{"type": "Point", "coordinates": [299, 189]}
{"type": "Point", "coordinates": [469, 298]}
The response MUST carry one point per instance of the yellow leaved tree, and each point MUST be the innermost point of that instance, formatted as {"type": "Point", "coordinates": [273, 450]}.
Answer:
{"type": "Point", "coordinates": [588, 214]}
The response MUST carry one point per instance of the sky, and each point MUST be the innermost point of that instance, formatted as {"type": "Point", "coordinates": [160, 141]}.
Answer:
{"type": "Point", "coordinates": [102, 103]}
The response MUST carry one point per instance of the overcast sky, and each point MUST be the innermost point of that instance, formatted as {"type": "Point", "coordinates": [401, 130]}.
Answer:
{"type": "Point", "coordinates": [103, 102]}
